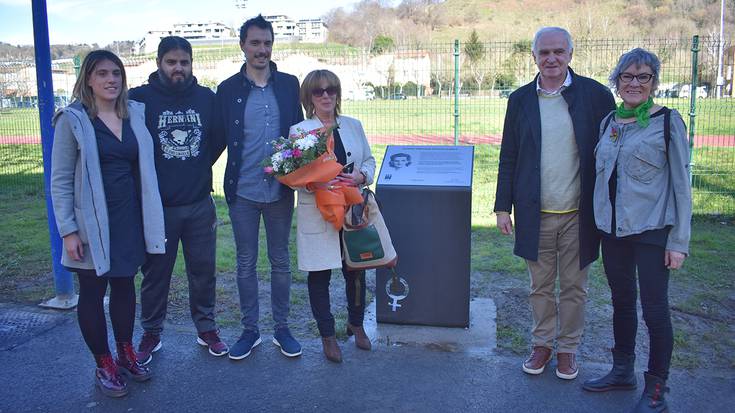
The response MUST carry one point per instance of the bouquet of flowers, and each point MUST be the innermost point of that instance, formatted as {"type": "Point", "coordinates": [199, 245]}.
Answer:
{"type": "Point", "coordinates": [296, 151]}
{"type": "Point", "coordinates": [308, 158]}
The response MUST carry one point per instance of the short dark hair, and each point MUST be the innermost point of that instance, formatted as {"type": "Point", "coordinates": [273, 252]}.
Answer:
{"type": "Point", "coordinates": [169, 43]}
{"type": "Point", "coordinates": [259, 22]}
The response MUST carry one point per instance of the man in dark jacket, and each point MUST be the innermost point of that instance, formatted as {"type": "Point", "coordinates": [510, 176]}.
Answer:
{"type": "Point", "coordinates": [547, 173]}
{"type": "Point", "coordinates": [180, 116]}
{"type": "Point", "coordinates": [257, 105]}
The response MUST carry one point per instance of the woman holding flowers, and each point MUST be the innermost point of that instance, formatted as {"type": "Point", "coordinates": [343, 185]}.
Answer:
{"type": "Point", "coordinates": [643, 208]}
{"type": "Point", "coordinates": [318, 242]}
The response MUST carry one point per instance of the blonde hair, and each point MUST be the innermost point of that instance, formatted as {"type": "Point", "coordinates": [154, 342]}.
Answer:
{"type": "Point", "coordinates": [83, 93]}
{"type": "Point", "coordinates": [314, 81]}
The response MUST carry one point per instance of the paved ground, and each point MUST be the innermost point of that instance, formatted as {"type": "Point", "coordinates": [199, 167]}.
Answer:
{"type": "Point", "coordinates": [47, 368]}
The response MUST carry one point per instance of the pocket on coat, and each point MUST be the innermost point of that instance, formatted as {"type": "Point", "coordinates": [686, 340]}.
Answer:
{"type": "Point", "coordinates": [310, 221]}
{"type": "Point", "coordinates": [82, 232]}
{"type": "Point", "coordinates": [646, 163]}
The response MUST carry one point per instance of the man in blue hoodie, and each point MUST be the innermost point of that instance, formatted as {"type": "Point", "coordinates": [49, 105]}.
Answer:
{"type": "Point", "coordinates": [180, 114]}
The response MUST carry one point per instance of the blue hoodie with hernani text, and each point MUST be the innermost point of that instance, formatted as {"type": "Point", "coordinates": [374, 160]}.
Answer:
{"type": "Point", "coordinates": [182, 124]}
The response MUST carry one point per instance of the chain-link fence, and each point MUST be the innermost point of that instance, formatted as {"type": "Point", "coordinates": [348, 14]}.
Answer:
{"type": "Point", "coordinates": [436, 94]}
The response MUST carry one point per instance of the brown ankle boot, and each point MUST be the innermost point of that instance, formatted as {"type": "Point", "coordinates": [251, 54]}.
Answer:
{"type": "Point", "coordinates": [127, 363]}
{"type": "Point", "coordinates": [107, 378]}
{"type": "Point", "coordinates": [331, 349]}
{"type": "Point", "coordinates": [362, 341]}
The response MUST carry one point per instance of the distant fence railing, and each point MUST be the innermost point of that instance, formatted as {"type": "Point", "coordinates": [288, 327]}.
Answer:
{"type": "Point", "coordinates": [407, 95]}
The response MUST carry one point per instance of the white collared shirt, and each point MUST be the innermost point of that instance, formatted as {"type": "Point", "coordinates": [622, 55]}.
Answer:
{"type": "Point", "coordinates": [567, 82]}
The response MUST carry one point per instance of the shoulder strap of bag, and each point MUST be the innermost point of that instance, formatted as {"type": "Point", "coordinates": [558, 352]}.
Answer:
{"type": "Point", "coordinates": [667, 129]}
{"type": "Point", "coordinates": [607, 120]}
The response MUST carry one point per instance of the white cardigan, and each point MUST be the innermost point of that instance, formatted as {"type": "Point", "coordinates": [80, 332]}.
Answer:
{"type": "Point", "coordinates": [317, 241]}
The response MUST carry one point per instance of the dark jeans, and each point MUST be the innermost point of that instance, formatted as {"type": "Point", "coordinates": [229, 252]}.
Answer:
{"type": "Point", "coordinates": [621, 259]}
{"type": "Point", "coordinates": [318, 282]}
{"type": "Point", "coordinates": [245, 217]}
{"type": "Point", "coordinates": [196, 226]}
{"type": "Point", "coordinates": [91, 311]}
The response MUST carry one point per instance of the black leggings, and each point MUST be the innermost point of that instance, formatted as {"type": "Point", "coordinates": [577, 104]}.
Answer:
{"type": "Point", "coordinates": [621, 260]}
{"type": "Point", "coordinates": [91, 312]}
{"type": "Point", "coordinates": [318, 283]}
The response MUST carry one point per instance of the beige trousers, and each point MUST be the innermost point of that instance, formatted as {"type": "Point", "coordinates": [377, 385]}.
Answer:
{"type": "Point", "coordinates": [558, 256]}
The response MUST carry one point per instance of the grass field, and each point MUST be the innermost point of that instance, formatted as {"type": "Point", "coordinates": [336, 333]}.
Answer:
{"type": "Point", "coordinates": [435, 116]}
{"type": "Point", "coordinates": [23, 217]}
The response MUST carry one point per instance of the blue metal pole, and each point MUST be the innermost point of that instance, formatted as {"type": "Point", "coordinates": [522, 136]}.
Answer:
{"type": "Point", "coordinates": [63, 282]}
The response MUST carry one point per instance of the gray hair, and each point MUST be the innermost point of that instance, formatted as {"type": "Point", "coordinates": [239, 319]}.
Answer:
{"type": "Point", "coordinates": [637, 57]}
{"type": "Point", "coordinates": [547, 30]}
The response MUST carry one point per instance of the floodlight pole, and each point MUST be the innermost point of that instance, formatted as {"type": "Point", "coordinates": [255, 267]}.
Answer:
{"type": "Point", "coordinates": [65, 297]}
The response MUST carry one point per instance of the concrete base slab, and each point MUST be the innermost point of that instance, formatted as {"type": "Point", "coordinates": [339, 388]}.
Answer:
{"type": "Point", "coordinates": [480, 337]}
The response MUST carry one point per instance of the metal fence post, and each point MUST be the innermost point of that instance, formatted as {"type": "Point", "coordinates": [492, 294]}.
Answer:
{"type": "Point", "coordinates": [63, 282]}
{"type": "Point", "coordinates": [456, 92]}
{"type": "Point", "coordinates": [77, 64]}
{"type": "Point", "coordinates": [693, 100]}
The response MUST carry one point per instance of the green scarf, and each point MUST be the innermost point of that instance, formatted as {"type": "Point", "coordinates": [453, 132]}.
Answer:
{"type": "Point", "coordinates": [642, 117]}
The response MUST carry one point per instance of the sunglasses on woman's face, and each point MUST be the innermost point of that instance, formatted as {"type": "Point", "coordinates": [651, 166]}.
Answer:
{"type": "Point", "coordinates": [331, 91]}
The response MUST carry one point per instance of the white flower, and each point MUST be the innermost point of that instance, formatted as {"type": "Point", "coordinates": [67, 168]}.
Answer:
{"type": "Point", "coordinates": [276, 160]}
{"type": "Point", "coordinates": [306, 142]}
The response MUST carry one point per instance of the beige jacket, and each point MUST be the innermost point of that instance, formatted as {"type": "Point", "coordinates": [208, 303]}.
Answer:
{"type": "Point", "coordinates": [317, 241]}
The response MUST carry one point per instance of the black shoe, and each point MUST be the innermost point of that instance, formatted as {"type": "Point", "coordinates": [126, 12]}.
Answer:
{"type": "Point", "coordinates": [621, 377]}
{"type": "Point", "coordinates": [652, 400]}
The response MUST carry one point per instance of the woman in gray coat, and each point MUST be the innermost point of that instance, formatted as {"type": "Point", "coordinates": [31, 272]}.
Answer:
{"type": "Point", "coordinates": [643, 209]}
{"type": "Point", "coordinates": [108, 209]}
{"type": "Point", "coordinates": [318, 243]}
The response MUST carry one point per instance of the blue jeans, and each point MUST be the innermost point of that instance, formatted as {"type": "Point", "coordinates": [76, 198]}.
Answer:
{"type": "Point", "coordinates": [245, 216]}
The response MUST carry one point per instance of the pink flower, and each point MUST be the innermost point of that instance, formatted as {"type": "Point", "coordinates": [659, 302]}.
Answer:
{"type": "Point", "coordinates": [268, 169]}
{"type": "Point", "coordinates": [296, 153]}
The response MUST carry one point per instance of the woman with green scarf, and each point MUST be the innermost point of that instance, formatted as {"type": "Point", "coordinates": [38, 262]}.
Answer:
{"type": "Point", "coordinates": [642, 203]}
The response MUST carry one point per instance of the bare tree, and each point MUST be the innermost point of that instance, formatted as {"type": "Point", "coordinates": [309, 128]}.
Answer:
{"type": "Point", "coordinates": [476, 52]}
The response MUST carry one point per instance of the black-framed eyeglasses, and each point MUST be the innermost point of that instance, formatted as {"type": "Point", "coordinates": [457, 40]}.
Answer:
{"type": "Point", "coordinates": [331, 91]}
{"type": "Point", "coordinates": [642, 78]}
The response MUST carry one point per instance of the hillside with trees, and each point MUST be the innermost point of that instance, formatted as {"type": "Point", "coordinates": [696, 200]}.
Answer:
{"type": "Point", "coordinates": [9, 52]}
{"type": "Point", "coordinates": [420, 22]}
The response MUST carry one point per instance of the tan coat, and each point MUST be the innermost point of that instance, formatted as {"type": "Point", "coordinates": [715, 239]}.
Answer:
{"type": "Point", "coordinates": [317, 241]}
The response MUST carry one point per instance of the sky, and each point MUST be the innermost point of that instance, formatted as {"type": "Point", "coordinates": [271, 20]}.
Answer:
{"type": "Point", "coordinates": [104, 21]}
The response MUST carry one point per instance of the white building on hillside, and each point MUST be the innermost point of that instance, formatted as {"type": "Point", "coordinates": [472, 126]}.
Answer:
{"type": "Point", "coordinates": [194, 32]}
{"type": "Point", "coordinates": [312, 31]}
{"type": "Point", "coordinates": [284, 28]}
{"type": "Point", "coordinates": [304, 30]}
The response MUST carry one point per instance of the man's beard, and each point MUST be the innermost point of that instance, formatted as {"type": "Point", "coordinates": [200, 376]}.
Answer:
{"type": "Point", "coordinates": [177, 86]}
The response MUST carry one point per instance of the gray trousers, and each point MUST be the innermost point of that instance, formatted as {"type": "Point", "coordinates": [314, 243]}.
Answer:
{"type": "Point", "coordinates": [196, 226]}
